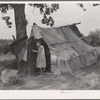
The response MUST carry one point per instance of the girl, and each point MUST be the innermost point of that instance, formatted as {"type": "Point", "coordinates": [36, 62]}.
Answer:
{"type": "Point", "coordinates": [41, 61]}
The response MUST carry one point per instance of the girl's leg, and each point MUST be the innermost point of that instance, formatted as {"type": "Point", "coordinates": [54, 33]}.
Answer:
{"type": "Point", "coordinates": [41, 70]}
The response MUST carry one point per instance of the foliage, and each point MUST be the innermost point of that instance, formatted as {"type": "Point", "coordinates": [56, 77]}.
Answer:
{"type": "Point", "coordinates": [45, 9]}
{"type": "Point", "coordinates": [94, 37]}
{"type": "Point", "coordinates": [81, 5]}
{"type": "Point", "coordinates": [4, 44]}
{"type": "Point", "coordinates": [4, 8]}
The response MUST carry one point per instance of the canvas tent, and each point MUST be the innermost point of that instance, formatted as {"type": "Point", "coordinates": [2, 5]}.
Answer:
{"type": "Point", "coordinates": [74, 53]}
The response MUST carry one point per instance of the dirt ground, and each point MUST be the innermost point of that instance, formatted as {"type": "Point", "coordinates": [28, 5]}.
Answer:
{"type": "Point", "coordinates": [83, 79]}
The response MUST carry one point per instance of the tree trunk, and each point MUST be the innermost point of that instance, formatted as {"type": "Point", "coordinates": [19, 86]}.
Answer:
{"type": "Point", "coordinates": [20, 20]}
{"type": "Point", "coordinates": [20, 23]}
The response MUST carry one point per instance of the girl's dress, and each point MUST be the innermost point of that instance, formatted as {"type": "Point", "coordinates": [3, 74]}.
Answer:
{"type": "Point", "coordinates": [41, 61]}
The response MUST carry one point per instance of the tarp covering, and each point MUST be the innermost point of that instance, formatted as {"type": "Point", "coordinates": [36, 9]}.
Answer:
{"type": "Point", "coordinates": [73, 52]}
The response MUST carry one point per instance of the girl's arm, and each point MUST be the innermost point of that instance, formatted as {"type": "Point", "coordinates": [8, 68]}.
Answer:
{"type": "Point", "coordinates": [34, 51]}
{"type": "Point", "coordinates": [39, 51]}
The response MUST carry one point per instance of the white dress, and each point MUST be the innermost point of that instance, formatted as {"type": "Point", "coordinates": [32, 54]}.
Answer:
{"type": "Point", "coordinates": [41, 60]}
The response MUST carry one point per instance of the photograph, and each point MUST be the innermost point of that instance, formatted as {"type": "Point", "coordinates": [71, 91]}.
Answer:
{"type": "Point", "coordinates": [50, 46]}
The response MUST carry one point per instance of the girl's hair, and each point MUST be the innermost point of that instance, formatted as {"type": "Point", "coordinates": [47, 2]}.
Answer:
{"type": "Point", "coordinates": [39, 41]}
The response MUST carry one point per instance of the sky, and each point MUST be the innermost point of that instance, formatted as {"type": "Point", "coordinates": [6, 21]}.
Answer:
{"type": "Point", "coordinates": [67, 14]}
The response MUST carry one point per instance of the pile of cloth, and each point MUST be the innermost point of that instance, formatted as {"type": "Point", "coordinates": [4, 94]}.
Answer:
{"type": "Point", "coordinates": [9, 76]}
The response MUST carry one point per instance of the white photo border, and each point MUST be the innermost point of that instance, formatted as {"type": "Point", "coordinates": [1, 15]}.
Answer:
{"type": "Point", "coordinates": [49, 94]}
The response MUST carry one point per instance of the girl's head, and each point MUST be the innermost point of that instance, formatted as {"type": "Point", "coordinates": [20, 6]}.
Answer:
{"type": "Point", "coordinates": [38, 44]}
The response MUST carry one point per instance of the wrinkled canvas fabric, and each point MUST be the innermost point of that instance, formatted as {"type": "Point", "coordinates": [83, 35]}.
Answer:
{"type": "Point", "coordinates": [25, 56]}
{"type": "Point", "coordinates": [36, 32]}
{"type": "Point", "coordinates": [21, 54]}
{"type": "Point", "coordinates": [9, 76]}
{"type": "Point", "coordinates": [25, 53]}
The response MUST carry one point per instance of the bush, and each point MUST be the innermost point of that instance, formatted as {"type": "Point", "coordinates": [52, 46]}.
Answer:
{"type": "Point", "coordinates": [3, 44]}
{"type": "Point", "coordinates": [12, 64]}
{"type": "Point", "coordinates": [94, 37]}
